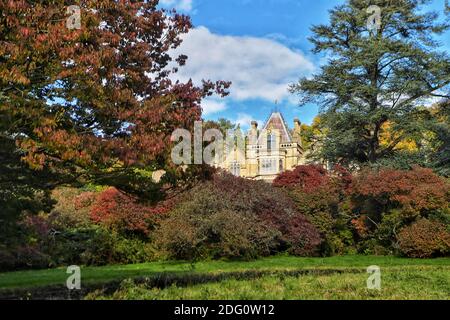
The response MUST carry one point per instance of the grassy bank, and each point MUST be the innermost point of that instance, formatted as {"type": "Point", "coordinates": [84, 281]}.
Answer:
{"type": "Point", "coordinates": [34, 278]}
{"type": "Point", "coordinates": [414, 283]}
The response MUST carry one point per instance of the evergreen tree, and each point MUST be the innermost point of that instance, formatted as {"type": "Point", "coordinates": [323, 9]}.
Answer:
{"type": "Point", "coordinates": [378, 71]}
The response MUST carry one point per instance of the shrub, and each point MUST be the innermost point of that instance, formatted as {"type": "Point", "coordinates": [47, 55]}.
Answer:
{"type": "Point", "coordinates": [320, 195]}
{"type": "Point", "coordinates": [72, 208]}
{"type": "Point", "coordinates": [23, 257]}
{"type": "Point", "coordinates": [387, 200]}
{"type": "Point", "coordinates": [30, 257]}
{"type": "Point", "coordinates": [306, 178]}
{"type": "Point", "coordinates": [221, 234]}
{"type": "Point", "coordinates": [425, 239]}
{"type": "Point", "coordinates": [234, 217]}
{"type": "Point", "coordinates": [123, 213]}
{"type": "Point", "coordinates": [7, 260]}
{"type": "Point", "coordinates": [94, 246]}
{"type": "Point", "coordinates": [416, 192]}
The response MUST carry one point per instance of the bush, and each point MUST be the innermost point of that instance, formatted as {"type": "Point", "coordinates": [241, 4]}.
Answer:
{"type": "Point", "coordinates": [233, 217]}
{"type": "Point", "coordinates": [387, 200]}
{"type": "Point", "coordinates": [415, 192]}
{"type": "Point", "coordinates": [425, 239]}
{"type": "Point", "coordinates": [23, 257]}
{"type": "Point", "coordinates": [73, 206]}
{"type": "Point", "coordinates": [307, 178]}
{"type": "Point", "coordinates": [122, 213]}
{"type": "Point", "coordinates": [94, 246]}
{"type": "Point", "coordinates": [320, 195]}
{"type": "Point", "coordinates": [221, 234]}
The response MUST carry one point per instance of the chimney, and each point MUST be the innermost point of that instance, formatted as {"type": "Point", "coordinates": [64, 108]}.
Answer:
{"type": "Point", "coordinates": [297, 131]}
{"type": "Point", "coordinates": [297, 125]}
{"type": "Point", "coordinates": [253, 137]}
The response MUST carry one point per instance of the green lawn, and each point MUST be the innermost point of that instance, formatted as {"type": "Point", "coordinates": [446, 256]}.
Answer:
{"type": "Point", "coordinates": [94, 275]}
{"type": "Point", "coordinates": [412, 283]}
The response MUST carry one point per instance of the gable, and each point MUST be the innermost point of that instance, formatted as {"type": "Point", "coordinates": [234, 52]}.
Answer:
{"type": "Point", "coordinates": [276, 122]}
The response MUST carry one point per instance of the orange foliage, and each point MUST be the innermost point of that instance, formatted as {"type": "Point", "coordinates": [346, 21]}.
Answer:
{"type": "Point", "coordinates": [425, 239]}
{"type": "Point", "coordinates": [415, 191]}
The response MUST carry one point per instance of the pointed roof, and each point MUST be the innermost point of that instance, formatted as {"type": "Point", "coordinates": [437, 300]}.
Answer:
{"type": "Point", "coordinates": [276, 122]}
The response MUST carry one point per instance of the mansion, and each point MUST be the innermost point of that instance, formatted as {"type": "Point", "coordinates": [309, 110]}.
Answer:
{"type": "Point", "coordinates": [265, 152]}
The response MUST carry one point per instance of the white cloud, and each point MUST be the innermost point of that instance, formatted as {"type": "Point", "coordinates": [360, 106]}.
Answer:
{"type": "Point", "coordinates": [258, 67]}
{"type": "Point", "coordinates": [211, 106]}
{"type": "Point", "coordinates": [182, 5]}
{"type": "Point", "coordinates": [244, 120]}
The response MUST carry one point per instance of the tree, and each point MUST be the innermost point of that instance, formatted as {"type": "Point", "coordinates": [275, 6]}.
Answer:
{"type": "Point", "coordinates": [224, 125]}
{"type": "Point", "coordinates": [439, 125]}
{"type": "Point", "coordinates": [91, 104]}
{"type": "Point", "coordinates": [375, 78]}
{"type": "Point", "coordinates": [96, 102]}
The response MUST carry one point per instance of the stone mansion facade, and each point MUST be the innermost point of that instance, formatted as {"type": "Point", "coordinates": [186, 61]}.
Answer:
{"type": "Point", "coordinates": [265, 152]}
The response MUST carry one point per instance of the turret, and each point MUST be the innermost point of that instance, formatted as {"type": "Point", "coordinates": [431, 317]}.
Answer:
{"type": "Point", "coordinates": [297, 134]}
{"type": "Point", "coordinates": [253, 137]}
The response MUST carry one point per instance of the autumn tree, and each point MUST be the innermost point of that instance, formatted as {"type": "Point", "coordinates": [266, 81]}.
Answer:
{"type": "Point", "coordinates": [97, 102]}
{"type": "Point", "coordinates": [375, 74]}
{"type": "Point", "coordinates": [90, 104]}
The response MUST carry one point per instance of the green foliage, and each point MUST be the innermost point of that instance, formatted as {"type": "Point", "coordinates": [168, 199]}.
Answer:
{"type": "Point", "coordinates": [373, 79]}
{"type": "Point", "coordinates": [440, 143]}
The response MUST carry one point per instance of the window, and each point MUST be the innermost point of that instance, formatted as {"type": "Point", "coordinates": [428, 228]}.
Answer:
{"type": "Point", "coordinates": [268, 166]}
{"type": "Point", "coordinates": [281, 169]}
{"type": "Point", "coordinates": [271, 141]}
{"type": "Point", "coordinates": [235, 169]}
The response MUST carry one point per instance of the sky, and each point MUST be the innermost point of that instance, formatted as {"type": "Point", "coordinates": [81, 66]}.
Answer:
{"type": "Point", "coordinates": [260, 46]}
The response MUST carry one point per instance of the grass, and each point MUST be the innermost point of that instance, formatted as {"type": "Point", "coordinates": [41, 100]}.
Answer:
{"type": "Point", "coordinates": [413, 283]}
{"type": "Point", "coordinates": [95, 275]}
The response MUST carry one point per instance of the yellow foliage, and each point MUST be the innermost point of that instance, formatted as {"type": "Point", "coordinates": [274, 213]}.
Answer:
{"type": "Point", "coordinates": [388, 136]}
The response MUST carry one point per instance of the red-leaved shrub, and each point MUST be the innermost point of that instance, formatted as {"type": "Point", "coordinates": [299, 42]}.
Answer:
{"type": "Point", "coordinates": [307, 178]}
{"type": "Point", "coordinates": [123, 213]}
{"type": "Point", "coordinates": [415, 192]}
{"type": "Point", "coordinates": [387, 200]}
{"type": "Point", "coordinates": [320, 195]}
{"type": "Point", "coordinates": [425, 239]}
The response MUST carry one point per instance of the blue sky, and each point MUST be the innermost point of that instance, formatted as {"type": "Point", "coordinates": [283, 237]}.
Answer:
{"type": "Point", "coordinates": [259, 45]}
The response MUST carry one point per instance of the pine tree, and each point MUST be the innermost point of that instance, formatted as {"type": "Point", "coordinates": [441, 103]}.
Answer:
{"type": "Point", "coordinates": [378, 71]}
